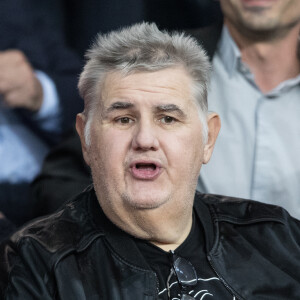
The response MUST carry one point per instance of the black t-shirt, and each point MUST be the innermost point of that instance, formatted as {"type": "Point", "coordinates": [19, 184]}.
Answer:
{"type": "Point", "coordinates": [192, 249]}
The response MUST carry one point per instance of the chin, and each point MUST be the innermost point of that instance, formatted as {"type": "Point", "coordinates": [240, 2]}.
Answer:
{"type": "Point", "coordinates": [144, 201]}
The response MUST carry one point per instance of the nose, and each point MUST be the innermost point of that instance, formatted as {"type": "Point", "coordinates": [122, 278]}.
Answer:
{"type": "Point", "coordinates": [145, 137]}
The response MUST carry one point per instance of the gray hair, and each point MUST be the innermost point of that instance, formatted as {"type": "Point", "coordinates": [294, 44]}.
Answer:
{"type": "Point", "coordinates": [143, 47]}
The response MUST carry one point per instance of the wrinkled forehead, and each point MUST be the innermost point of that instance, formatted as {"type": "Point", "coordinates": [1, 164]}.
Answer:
{"type": "Point", "coordinates": [158, 87]}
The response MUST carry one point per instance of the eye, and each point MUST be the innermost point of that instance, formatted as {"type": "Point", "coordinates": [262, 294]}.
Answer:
{"type": "Point", "coordinates": [124, 120]}
{"type": "Point", "coordinates": [168, 120]}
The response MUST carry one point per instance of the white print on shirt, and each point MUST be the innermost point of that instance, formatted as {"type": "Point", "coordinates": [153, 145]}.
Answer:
{"type": "Point", "coordinates": [198, 295]}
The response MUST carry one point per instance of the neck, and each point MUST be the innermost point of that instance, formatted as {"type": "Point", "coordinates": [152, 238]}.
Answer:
{"type": "Point", "coordinates": [164, 227]}
{"type": "Point", "coordinates": [271, 60]}
{"type": "Point", "coordinates": [173, 233]}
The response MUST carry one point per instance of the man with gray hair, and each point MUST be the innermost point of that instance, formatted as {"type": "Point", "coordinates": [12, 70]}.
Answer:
{"type": "Point", "coordinates": [141, 231]}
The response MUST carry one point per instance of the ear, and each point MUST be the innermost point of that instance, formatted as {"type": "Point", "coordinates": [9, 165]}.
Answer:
{"type": "Point", "coordinates": [214, 125]}
{"type": "Point", "coordinates": [80, 125]}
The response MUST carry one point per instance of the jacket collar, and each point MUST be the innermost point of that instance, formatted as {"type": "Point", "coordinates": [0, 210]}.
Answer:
{"type": "Point", "coordinates": [204, 215]}
{"type": "Point", "coordinates": [120, 242]}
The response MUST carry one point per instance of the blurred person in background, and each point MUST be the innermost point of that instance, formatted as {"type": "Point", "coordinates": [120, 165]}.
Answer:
{"type": "Point", "coordinates": [38, 98]}
{"type": "Point", "coordinates": [255, 87]}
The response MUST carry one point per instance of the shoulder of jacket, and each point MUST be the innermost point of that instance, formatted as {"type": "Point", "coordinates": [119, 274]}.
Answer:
{"type": "Point", "coordinates": [238, 210]}
{"type": "Point", "coordinates": [71, 227]}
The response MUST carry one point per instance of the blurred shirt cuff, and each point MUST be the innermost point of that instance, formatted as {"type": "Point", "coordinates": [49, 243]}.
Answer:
{"type": "Point", "coordinates": [50, 105]}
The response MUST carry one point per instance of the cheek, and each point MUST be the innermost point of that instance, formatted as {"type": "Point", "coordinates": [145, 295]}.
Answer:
{"type": "Point", "coordinates": [184, 151]}
{"type": "Point", "coordinates": [230, 7]}
{"type": "Point", "coordinates": [291, 13]}
{"type": "Point", "coordinates": [110, 151]}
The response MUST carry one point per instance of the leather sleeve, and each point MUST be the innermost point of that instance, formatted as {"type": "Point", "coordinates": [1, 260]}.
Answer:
{"type": "Point", "coordinates": [23, 273]}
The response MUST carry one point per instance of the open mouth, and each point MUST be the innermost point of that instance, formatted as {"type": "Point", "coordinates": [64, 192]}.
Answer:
{"type": "Point", "coordinates": [145, 166]}
{"type": "Point", "coordinates": [145, 170]}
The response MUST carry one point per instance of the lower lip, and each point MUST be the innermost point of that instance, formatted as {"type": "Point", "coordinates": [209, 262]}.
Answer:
{"type": "Point", "coordinates": [145, 173]}
{"type": "Point", "coordinates": [258, 3]}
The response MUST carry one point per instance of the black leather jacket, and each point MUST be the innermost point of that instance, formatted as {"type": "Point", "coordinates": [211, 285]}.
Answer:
{"type": "Point", "coordinates": [77, 253]}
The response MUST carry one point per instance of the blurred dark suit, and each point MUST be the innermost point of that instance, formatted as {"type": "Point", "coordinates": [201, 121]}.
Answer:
{"type": "Point", "coordinates": [33, 27]}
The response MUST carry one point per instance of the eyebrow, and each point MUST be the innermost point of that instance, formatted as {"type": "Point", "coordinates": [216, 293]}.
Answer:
{"type": "Point", "coordinates": [170, 108]}
{"type": "Point", "coordinates": [119, 105]}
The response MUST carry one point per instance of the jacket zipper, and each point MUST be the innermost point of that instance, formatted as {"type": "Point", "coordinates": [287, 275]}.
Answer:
{"type": "Point", "coordinates": [222, 280]}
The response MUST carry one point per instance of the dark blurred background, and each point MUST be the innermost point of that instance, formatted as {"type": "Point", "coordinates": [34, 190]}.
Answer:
{"type": "Point", "coordinates": [85, 18]}
{"type": "Point", "coordinates": [81, 20]}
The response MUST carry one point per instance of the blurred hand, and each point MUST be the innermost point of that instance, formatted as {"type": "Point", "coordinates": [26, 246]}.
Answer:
{"type": "Point", "coordinates": [19, 87]}
{"type": "Point", "coordinates": [1, 215]}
